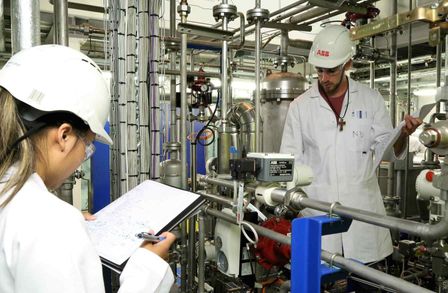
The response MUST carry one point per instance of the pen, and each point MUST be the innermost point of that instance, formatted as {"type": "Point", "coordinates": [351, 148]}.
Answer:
{"type": "Point", "coordinates": [149, 237]}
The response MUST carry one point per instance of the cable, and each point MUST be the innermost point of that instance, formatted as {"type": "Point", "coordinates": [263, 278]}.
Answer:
{"type": "Point", "coordinates": [252, 241]}
{"type": "Point", "coordinates": [206, 127]}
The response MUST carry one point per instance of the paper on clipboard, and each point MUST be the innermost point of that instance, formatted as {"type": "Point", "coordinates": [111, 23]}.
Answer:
{"type": "Point", "coordinates": [149, 206]}
{"type": "Point", "coordinates": [420, 113]}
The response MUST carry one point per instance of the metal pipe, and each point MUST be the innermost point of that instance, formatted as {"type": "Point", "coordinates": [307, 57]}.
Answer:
{"type": "Point", "coordinates": [372, 274]}
{"type": "Point", "coordinates": [392, 101]}
{"type": "Point", "coordinates": [257, 84]}
{"type": "Point", "coordinates": [25, 24]}
{"type": "Point", "coordinates": [299, 201]}
{"type": "Point", "coordinates": [216, 198]}
{"type": "Point", "coordinates": [60, 8]}
{"type": "Point", "coordinates": [404, 195]}
{"type": "Point", "coordinates": [372, 67]}
{"type": "Point", "coordinates": [60, 22]}
{"type": "Point", "coordinates": [184, 258]}
{"type": "Point", "coordinates": [2, 26]}
{"type": "Point", "coordinates": [224, 71]}
{"type": "Point", "coordinates": [201, 253]}
{"type": "Point", "coordinates": [446, 60]}
{"type": "Point", "coordinates": [192, 220]}
{"type": "Point", "coordinates": [183, 105]}
{"type": "Point", "coordinates": [425, 231]}
{"type": "Point", "coordinates": [173, 117]}
{"type": "Point", "coordinates": [250, 29]}
{"type": "Point", "coordinates": [339, 261]}
{"type": "Point", "coordinates": [317, 11]}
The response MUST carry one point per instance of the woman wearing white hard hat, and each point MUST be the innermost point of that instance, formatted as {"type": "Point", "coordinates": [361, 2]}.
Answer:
{"type": "Point", "coordinates": [54, 103]}
{"type": "Point", "coordinates": [336, 128]}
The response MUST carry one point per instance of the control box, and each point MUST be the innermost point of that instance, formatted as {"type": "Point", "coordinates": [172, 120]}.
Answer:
{"type": "Point", "coordinates": [273, 167]}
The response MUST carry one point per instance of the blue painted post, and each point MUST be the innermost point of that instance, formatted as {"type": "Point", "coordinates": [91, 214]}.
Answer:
{"type": "Point", "coordinates": [100, 169]}
{"type": "Point", "coordinates": [307, 272]}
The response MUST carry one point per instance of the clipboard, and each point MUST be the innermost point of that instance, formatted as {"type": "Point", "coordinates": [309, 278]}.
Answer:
{"type": "Point", "coordinates": [149, 206]}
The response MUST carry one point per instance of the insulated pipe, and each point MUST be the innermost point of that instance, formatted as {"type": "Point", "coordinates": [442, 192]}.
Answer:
{"type": "Point", "coordinates": [242, 115]}
{"type": "Point", "coordinates": [25, 24]}
{"type": "Point", "coordinates": [339, 261]}
{"type": "Point", "coordinates": [60, 8]}
{"type": "Point", "coordinates": [147, 59]}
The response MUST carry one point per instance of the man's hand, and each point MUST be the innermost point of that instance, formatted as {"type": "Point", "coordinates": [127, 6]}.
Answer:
{"type": "Point", "coordinates": [410, 125]}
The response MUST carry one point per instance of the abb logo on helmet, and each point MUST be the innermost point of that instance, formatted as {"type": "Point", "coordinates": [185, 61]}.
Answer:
{"type": "Point", "coordinates": [323, 53]}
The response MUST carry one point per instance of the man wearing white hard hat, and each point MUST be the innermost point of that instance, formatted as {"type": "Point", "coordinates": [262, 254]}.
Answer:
{"type": "Point", "coordinates": [336, 127]}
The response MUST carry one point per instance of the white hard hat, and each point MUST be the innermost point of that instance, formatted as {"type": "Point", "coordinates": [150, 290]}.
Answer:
{"type": "Point", "coordinates": [331, 47]}
{"type": "Point", "coordinates": [57, 78]}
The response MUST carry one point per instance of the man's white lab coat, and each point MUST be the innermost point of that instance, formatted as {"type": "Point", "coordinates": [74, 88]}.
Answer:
{"type": "Point", "coordinates": [342, 162]}
{"type": "Point", "coordinates": [45, 248]}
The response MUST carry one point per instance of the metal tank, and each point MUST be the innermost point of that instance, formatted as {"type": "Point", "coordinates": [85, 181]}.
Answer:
{"type": "Point", "coordinates": [278, 90]}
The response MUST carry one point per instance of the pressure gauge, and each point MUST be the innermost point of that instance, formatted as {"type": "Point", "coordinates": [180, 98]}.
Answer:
{"type": "Point", "coordinates": [204, 87]}
{"type": "Point", "coordinates": [223, 264]}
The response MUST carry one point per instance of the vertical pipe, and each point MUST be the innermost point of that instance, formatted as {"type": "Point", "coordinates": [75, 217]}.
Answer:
{"type": "Point", "coordinates": [201, 253]}
{"type": "Point", "coordinates": [154, 97]}
{"type": "Point", "coordinates": [131, 94]}
{"type": "Point", "coordinates": [145, 22]}
{"type": "Point", "coordinates": [182, 138]}
{"type": "Point", "coordinates": [257, 82]}
{"type": "Point", "coordinates": [173, 118]}
{"type": "Point", "coordinates": [438, 70]}
{"type": "Point", "coordinates": [25, 24]}
{"type": "Point", "coordinates": [392, 99]}
{"type": "Point", "coordinates": [60, 22]}
{"type": "Point", "coordinates": [372, 67]}
{"type": "Point", "coordinates": [404, 195]}
{"type": "Point", "coordinates": [192, 220]}
{"type": "Point", "coordinates": [2, 26]}
{"type": "Point", "coordinates": [284, 49]}
{"type": "Point", "coordinates": [224, 140]}
{"type": "Point", "coordinates": [224, 76]}
{"type": "Point", "coordinates": [183, 106]}
{"type": "Point", "coordinates": [113, 20]}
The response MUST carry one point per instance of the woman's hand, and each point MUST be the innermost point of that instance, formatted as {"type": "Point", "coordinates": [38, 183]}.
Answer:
{"type": "Point", "coordinates": [161, 248]}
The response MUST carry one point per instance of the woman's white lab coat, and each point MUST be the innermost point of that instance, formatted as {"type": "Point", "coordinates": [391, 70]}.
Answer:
{"type": "Point", "coordinates": [45, 248]}
{"type": "Point", "coordinates": [342, 162]}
